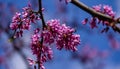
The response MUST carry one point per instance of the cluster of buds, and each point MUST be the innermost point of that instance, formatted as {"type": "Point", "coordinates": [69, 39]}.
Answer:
{"type": "Point", "coordinates": [22, 21]}
{"type": "Point", "coordinates": [63, 35]}
{"type": "Point", "coordinates": [106, 10]}
{"type": "Point", "coordinates": [54, 33]}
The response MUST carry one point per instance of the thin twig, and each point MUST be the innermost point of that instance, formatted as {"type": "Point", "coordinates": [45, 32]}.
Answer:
{"type": "Point", "coordinates": [41, 14]}
{"type": "Point", "coordinates": [43, 26]}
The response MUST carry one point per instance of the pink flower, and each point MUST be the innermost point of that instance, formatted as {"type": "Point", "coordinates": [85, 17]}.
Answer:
{"type": "Point", "coordinates": [63, 35]}
{"type": "Point", "coordinates": [46, 52]}
{"type": "Point", "coordinates": [85, 21]}
{"type": "Point", "coordinates": [15, 21]}
{"type": "Point", "coordinates": [42, 66]}
{"type": "Point", "coordinates": [16, 18]}
{"type": "Point", "coordinates": [54, 33]}
{"type": "Point", "coordinates": [48, 37]}
{"type": "Point", "coordinates": [22, 21]}
{"type": "Point", "coordinates": [93, 23]}
{"type": "Point", "coordinates": [14, 26]}
{"type": "Point", "coordinates": [31, 62]}
{"type": "Point", "coordinates": [35, 38]}
{"type": "Point", "coordinates": [108, 10]}
{"type": "Point", "coordinates": [97, 8]}
{"type": "Point", "coordinates": [112, 14]}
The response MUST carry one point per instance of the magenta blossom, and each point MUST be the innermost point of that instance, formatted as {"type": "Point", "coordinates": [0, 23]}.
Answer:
{"type": "Point", "coordinates": [64, 37]}
{"type": "Point", "coordinates": [31, 61]}
{"type": "Point", "coordinates": [54, 33]}
{"type": "Point", "coordinates": [94, 21]}
{"type": "Point", "coordinates": [22, 21]}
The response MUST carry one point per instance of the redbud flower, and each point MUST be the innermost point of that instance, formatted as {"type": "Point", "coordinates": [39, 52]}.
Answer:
{"type": "Point", "coordinates": [85, 21]}
{"type": "Point", "coordinates": [93, 23]}
{"type": "Point", "coordinates": [42, 66]}
{"type": "Point", "coordinates": [22, 21]}
{"type": "Point", "coordinates": [35, 42]}
{"type": "Point", "coordinates": [15, 21]}
{"type": "Point", "coordinates": [47, 37]}
{"type": "Point", "coordinates": [35, 38]}
{"type": "Point", "coordinates": [97, 8]}
{"type": "Point", "coordinates": [64, 35]}
{"type": "Point", "coordinates": [31, 61]}
{"type": "Point", "coordinates": [61, 35]}
{"type": "Point", "coordinates": [108, 10]}
{"type": "Point", "coordinates": [45, 52]}
{"type": "Point", "coordinates": [104, 9]}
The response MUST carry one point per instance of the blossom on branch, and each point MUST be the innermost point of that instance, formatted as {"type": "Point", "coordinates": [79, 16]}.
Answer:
{"type": "Point", "coordinates": [61, 35]}
{"type": "Point", "coordinates": [64, 37]}
{"type": "Point", "coordinates": [22, 21]}
{"type": "Point", "coordinates": [94, 21]}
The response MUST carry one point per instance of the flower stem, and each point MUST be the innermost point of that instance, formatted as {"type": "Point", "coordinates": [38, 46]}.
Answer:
{"type": "Point", "coordinates": [43, 26]}
{"type": "Point", "coordinates": [41, 14]}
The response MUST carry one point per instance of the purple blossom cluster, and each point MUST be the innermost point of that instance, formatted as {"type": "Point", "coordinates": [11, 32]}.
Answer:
{"type": "Point", "coordinates": [31, 61]}
{"type": "Point", "coordinates": [35, 45]}
{"type": "Point", "coordinates": [64, 37]}
{"type": "Point", "coordinates": [61, 35]}
{"type": "Point", "coordinates": [105, 9]}
{"type": "Point", "coordinates": [53, 33]}
{"type": "Point", "coordinates": [22, 21]}
{"type": "Point", "coordinates": [42, 51]}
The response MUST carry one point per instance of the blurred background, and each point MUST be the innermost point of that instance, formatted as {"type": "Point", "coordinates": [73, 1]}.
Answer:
{"type": "Point", "coordinates": [96, 51]}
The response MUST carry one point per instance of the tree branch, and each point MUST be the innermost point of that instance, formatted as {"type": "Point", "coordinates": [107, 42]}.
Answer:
{"type": "Point", "coordinates": [99, 15]}
{"type": "Point", "coordinates": [93, 12]}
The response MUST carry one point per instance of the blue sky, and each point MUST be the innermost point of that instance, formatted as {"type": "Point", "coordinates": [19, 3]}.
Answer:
{"type": "Point", "coordinates": [97, 40]}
